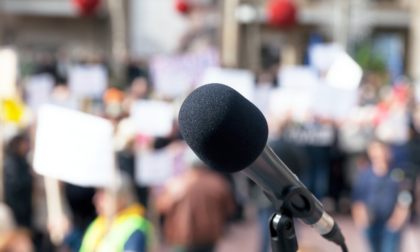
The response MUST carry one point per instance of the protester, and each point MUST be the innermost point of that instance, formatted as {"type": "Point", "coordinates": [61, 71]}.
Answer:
{"type": "Point", "coordinates": [18, 181]}
{"type": "Point", "coordinates": [265, 210]}
{"type": "Point", "coordinates": [128, 231]}
{"type": "Point", "coordinates": [120, 225]}
{"type": "Point", "coordinates": [125, 137]}
{"type": "Point", "coordinates": [317, 137]}
{"type": "Point", "coordinates": [13, 239]}
{"type": "Point", "coordinates": [61, 96]}
{"type": "Point", "coordinates": [379, 208]}
{"type": "Point", "coordinates": [80, 201]}
{"type": "Point", "coordinates": [195, 207]}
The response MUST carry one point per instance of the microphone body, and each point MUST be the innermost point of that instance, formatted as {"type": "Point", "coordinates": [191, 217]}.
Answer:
{"type": "Point", "coordinates": [275, 178]}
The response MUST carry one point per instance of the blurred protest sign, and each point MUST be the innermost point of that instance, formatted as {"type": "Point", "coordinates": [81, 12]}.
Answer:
{"type": "Point", "coordinates": [333, 103]}
{"type": "Point", "coordinates": [242, 81]}
{"type": "Point", "coordinates": [154, 167]}
{"type": "Point", "coordinates": [344, 73]}
{"type": "Point", "coordinates": [88, 81]}
{"type": "Point", "coordinates": [8, 72]}
{"type": "Point", "coordinates": [74, 147]}
{"type": "Point", "coordinates": [285, 100]}
{"type": "Point", "coordinates": [298, 85]}
{"type": "Point", "coordinates": [301, 91]}
{"type": "Point", "coordinates": [176, 75]}
{"type": "Point", "coordinates": [262, 96]}
{"type": "Point", "coordinates": [158, 27]}
{"type": "Point", "coordinates": [152, 118]}
{"type": "Point", "coordinates": [298, 77]}
{"type": "Point", "coordinates": [322, 56]}
{"type": "Point", "coordinates": [393, 129]}
{"type": "Point", "coordinates": [39, 89]}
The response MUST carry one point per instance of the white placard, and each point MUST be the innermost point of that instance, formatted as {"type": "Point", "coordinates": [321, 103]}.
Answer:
{"type": "Point", "coordinates": [88, 81]}
{"type": "Point", "coordinates": [262, 97]}
{"type": "Point", "coordinates": [242, 81]}
{"type": "Point", "coordinates": [322, 56]}
{"type": "Point", "coordinates": [39, 89]}
{"type": "Point", "coordinates": [8, 72]}
{"type": "Point", "coordinates": [175, 76]}
{"type": "Point", "coordinates": [394, 128]}
{"type": "Point", "coordinates": [152, 118]}
{"type": "Point", "coordinates": [154, 167]}
{"type": "Point", "coordinates": [74, 147]}
{"type": "Point", "coordinates": [296, 101]}
{"type": "Point", "coordinates": [298, 77]}
{"type": "Point", "coordinates": [344, 73]}
{"type": "Point", "coordinates": [333, 103]}
{"type": "Point", "coordinates": [164, 36]}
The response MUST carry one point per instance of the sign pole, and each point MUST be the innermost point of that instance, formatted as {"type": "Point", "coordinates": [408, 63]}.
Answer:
{"type": "Point", "coordinates": [55, 210]}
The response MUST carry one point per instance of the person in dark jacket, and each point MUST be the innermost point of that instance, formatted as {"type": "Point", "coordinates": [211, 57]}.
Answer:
{"type": "Point", "coordinates": [18, 180]}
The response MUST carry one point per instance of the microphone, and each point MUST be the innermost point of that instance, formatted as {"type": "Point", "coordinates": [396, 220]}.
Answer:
{"type": "Point", "coordinates": [229, 134]}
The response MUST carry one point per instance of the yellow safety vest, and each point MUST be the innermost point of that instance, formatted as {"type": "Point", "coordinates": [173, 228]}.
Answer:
{"type": "Point", "coordinates": [126, 223]}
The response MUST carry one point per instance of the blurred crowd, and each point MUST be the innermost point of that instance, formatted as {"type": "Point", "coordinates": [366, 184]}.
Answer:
{"type": "Point", "coordinates": [366, 164]}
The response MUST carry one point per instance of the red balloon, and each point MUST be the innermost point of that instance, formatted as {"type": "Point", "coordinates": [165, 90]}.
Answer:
{"type": "Point", "coordinates": [87, 7]}
{"type": "Point", "coordinates": [183, 7]}
{"type": "Point", "coordinates": [281, 13]}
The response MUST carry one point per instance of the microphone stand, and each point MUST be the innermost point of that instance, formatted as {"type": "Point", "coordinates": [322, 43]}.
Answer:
{"type": "Point", "coordinates": [282, 232]}
{"type": "Point", "coordinates": [291, 201]}
{"type": "Point", "coordinates": [281, 225]}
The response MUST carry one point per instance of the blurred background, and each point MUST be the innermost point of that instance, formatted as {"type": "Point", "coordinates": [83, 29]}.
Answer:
{"type": "Point", "coordinates": [91, 155]}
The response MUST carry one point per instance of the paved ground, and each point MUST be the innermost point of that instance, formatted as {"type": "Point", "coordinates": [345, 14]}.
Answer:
{"type": "Point", "coordinates": [243, 237]}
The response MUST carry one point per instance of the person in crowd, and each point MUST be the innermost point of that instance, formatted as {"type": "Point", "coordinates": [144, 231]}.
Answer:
{"type": "Point", "coordinates": [80, 201]}
{"type": "Point", "coordinates": [318, 142]}
{"type": "Point", "coordinates": [127, 142]}
{"type": "Point", "coordinates": [136, 68]}
{"type": "Point", "coordinates": [196, 206]}
{"type": "Point", "coordinates": [379, 207]}
{"type": "Point", "coordinates": [120, 225]}
{"type": "Point", "coordinates": [265, 210]}
{"type": "Point", "coordinates": [316, 136]}
{"type": "Point", "coordinates": [18, 181]}
{"type": "Point", "coordinates": [125, 145]}
{"type": "Point", "coordinates": [129, 230]}
{"type": "Point", "coordinates": [12, 238]}
{"type": "Point", "coordinates": [46, 64]}
{"type": "Point", "coordinates": [139, 89]}
{"type": "Point", "coordinates": [61, 96]}
{"type": "Point", "coordinates": [112, 100]}
{"type": "Point", "coordinates": [413, 148]}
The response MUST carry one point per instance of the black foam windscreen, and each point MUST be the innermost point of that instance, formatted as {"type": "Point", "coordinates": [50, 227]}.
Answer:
{"type": "Point", "coordinates": [223, 128]}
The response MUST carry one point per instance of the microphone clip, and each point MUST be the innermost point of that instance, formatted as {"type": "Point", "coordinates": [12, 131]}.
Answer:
{"type": "Point", "coordinates": [282, 232]}
{"type": "Point", "coordinates": [296, 202]}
